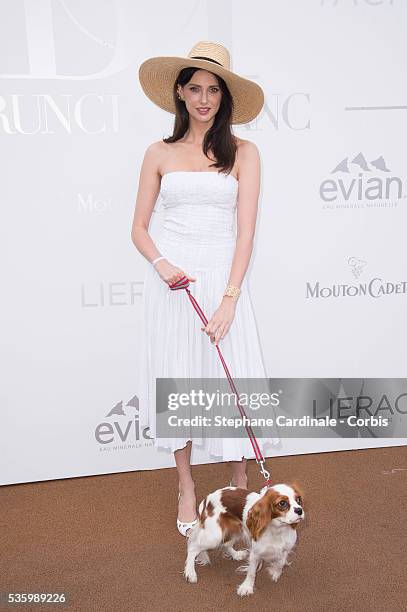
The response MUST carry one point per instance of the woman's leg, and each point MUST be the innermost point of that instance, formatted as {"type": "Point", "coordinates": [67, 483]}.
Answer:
{"type": "Point", "coordinates": [187, 502]}
{"type": "Point", "coordinates": [239, 476]}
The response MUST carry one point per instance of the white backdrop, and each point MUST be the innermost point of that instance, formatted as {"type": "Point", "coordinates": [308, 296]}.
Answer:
{"type": "Point", "coordinates": [74, 125]}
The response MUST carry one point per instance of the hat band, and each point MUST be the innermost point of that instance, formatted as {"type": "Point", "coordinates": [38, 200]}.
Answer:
{"type": "Point", "coordinates": [209, 59]}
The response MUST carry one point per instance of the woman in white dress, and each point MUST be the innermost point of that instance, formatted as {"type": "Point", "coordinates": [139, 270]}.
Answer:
{"type": "Point", "coordinates": [204, 175]}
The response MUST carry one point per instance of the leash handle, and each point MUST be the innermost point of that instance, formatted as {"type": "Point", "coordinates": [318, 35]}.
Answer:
{"type": "Point", "coordinates": [183, 283]}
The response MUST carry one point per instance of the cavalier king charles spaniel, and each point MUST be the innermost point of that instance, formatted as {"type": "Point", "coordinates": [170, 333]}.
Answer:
{"type": "Point", "coordinates": [267, 522]}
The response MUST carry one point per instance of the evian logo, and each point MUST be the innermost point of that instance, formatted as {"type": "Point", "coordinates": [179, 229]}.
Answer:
{"type": "Point", "coordinates": [375, 287]}
{"type": "Point", "coordinates": [120, 430]}
{"type": "Point", "coordinates": [356, 183]}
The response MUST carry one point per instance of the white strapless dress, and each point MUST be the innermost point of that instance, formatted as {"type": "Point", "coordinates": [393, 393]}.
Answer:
{"type": "Point", "coordinates": [198, 235]}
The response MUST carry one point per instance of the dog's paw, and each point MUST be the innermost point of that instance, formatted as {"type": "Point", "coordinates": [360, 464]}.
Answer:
{"type": "Point", "coordinates": [203, 558]}
{"type": "Point", "coordinates": [235, 555]}
{"type": "Point", "coordinates": [240, 555]}
{"type": "Point", "coordinates": [245, 589]}
{"type": "Point", "coordinates": [290, 556]}
{"type": "Point", "coordinates": [274, 573]}
{"type": "Point", "coordinates": [190, 575]}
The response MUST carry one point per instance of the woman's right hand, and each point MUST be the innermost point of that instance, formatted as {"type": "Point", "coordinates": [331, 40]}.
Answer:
{"type": "Point", "coordinates": [171, 274]}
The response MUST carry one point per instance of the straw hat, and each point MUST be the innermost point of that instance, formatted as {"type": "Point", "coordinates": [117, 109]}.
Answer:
{"type": "Point", "coordinates": [157, 76]}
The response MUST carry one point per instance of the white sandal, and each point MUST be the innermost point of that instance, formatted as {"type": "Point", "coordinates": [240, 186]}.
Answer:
{"type": "Point", "coordinates": [183, 528]}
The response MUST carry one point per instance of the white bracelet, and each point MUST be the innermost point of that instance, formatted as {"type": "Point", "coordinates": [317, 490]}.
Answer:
{"type": "Point", "coordinates": [158, 259]}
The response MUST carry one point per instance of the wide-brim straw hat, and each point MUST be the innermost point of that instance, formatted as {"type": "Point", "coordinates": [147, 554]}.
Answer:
{"type": "Point", "coordinates": [157, 76]}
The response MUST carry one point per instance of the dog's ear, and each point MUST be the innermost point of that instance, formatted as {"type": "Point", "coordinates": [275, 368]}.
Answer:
{"type": "Point", "coordinates": [260, 515]}
{"type": "Point", "coordinates": [299, 491]}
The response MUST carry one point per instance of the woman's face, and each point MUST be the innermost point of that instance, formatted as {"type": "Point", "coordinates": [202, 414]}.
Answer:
{"type": "Point", "coordinates": [202, 92]}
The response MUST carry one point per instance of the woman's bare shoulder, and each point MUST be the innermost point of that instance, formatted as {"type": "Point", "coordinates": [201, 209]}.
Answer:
{"type": "Point", "coordinates": [245, 145]}
{"type": "Point", "coordinates": [157, 147]}
{"type": "Point", "coordinates": [156, 155]}
{"type": "Point", "coordinates": [247, 154]}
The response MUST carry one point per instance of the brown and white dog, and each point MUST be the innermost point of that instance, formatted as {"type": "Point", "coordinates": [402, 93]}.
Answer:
{"type": "Point", "coordinates": [265, 521]}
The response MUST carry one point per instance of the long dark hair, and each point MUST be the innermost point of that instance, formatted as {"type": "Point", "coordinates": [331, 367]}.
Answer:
{"type": "Point", "coordinates": [219, 138]}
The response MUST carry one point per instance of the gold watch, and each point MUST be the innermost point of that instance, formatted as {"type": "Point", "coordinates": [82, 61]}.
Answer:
{"type": "Point", "coordinates": [233, 292]}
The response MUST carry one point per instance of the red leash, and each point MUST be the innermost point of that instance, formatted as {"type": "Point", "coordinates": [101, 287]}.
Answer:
{"type": "Point", "coordinates": [183, 283]}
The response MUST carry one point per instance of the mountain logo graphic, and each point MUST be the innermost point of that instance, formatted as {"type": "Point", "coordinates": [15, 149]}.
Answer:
{"type": "Point", "coordinates": [119, 410]}
{"type": "Point", "coordinates": [360, 162]}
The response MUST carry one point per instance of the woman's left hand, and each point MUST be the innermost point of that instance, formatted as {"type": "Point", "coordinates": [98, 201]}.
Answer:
{"type": "Point", "coordinates": [219, 325]}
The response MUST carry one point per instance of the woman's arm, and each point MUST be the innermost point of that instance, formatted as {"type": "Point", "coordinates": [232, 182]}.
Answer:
{"type": "Point", "coordinates": [247, 205]}
{"type": "Point", "coordinates": [148, 190]}
{"type": "Point", "coordinates": [249, 188]}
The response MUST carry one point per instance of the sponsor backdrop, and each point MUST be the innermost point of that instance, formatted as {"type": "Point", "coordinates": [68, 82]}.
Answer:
{"type": "Point", "coordinates": [328, 275]}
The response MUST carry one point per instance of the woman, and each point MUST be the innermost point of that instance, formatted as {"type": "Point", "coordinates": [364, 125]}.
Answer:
{"type": "Point", "coordinates": [203, 174]}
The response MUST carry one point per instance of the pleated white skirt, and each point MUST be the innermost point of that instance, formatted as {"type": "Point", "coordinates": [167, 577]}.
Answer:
{"type": "Point", "coordinates": [173, 345]}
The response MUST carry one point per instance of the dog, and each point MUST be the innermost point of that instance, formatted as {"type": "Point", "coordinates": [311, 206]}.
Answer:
{"type": "Point", "coordinates": [266, 522]}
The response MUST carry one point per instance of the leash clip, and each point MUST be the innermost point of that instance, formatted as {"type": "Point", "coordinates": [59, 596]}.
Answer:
{"type": "Point", "coordinates": [263, 470]}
